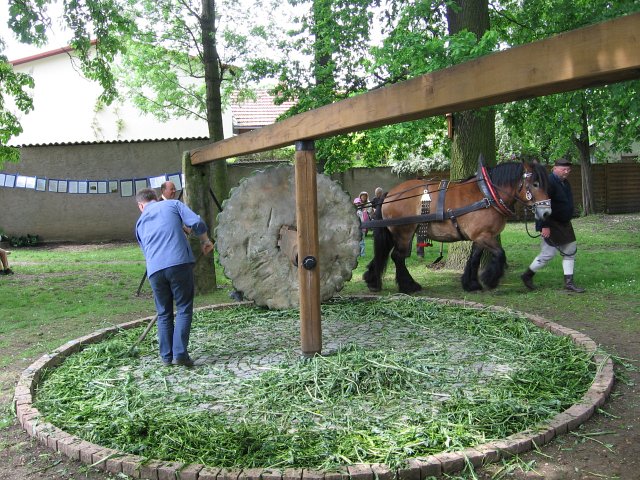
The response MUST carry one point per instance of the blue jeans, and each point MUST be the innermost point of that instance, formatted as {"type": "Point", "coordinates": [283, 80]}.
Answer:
{"type": "Point", "coordinates": [169, 285]}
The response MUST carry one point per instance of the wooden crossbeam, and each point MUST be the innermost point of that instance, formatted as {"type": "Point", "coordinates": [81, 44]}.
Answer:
{"type": "Point", "coordinates": [599, 54]}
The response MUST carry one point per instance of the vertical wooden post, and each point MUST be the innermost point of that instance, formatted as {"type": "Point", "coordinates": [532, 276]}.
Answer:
{"type": "Point", "coordinates": [196, 197]}
{"type": "Point", "coordinates": [308, 248]}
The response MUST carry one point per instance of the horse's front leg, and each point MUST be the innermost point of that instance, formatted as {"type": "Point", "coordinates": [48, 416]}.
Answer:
{"type": "Point", "coordinates": [470, 275]}
{"type": "Point", "coordinates": [402, 250]}
{"type": "Point", "coordinates": [494, 270]}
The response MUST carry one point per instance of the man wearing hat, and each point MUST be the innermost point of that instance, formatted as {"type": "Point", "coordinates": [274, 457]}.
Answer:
{"type": "Point", "coordinates": [556, 231]}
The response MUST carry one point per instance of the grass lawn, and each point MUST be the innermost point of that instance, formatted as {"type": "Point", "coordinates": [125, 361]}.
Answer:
{"type": "Point", "coordinates": [607, 265]}
{"type": "Point", "coordinates": [63, 292]}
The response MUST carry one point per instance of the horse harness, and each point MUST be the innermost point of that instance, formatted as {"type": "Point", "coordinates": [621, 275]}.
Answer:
{"type": "Point", "coordinates": [425, 210]}
{"type": "Point", "coordinates": [491, 199]}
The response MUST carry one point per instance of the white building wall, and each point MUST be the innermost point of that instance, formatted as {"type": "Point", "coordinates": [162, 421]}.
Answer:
{"type": "Point", "coordinates": [66, 110]}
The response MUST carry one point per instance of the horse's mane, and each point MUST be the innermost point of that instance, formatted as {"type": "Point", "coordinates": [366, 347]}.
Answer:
{"type": "Point", "coordinates": [502, 174]}
{"type": "Point", "coordinates": [506, 173]}
{"type": "Point", "coordinates": [510, 172]}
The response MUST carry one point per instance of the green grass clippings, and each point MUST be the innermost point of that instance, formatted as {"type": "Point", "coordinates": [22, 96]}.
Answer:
{"type": "Point", "coordinates": [398, 378]}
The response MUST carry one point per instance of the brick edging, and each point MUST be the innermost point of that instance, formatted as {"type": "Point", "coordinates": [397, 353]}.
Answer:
{"type": "Point", "coordinates": [416, 468]}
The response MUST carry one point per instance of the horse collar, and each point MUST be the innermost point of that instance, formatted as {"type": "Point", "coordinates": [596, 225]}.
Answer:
{"type": "Point", "coordinates": [489, 191]}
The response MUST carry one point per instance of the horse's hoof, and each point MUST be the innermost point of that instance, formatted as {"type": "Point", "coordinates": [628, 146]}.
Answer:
{"type": "Point", "coordinates": [375, 289]}
{"type": "Point", "coordinates": [411, 289]}
{"type": "Point", "coordinates": [472, 287]}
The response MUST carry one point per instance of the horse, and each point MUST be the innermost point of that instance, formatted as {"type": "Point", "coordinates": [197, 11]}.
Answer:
{"type": "Point", "coordinates": [475, 209]}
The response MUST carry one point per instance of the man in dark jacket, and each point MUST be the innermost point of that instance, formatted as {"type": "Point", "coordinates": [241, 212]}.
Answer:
{"type": "Point", "coordinates": [556, 231]}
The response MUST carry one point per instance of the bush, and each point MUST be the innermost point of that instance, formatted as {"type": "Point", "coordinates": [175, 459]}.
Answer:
{"type": "Point", "coordinates": [24, 241]}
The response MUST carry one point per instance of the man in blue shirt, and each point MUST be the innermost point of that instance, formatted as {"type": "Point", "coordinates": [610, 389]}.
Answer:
{"type": "Point", "coordinates": [556, 231]}
{"type": "Point", "coordinates": [170, 263]}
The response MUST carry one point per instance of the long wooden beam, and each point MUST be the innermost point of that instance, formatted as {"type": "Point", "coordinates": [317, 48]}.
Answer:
{"type": "Point", "coordinates": [599, 54]}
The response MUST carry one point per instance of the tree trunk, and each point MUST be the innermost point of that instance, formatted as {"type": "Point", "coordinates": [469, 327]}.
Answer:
{"type": "Point", "coordinates": [200, 181]}
{"type": "Point", "coordinates": [218, 178]}
{"type": "Point", "coordinates": [473, 130]}
{"type": "Point", "coordinates": [582, 144]}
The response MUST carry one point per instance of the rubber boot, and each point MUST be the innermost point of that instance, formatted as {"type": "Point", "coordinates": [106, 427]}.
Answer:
{"type": "Point", "coordinates": [527, 279]}
{"type": "Point", "coordinates": [569, 285]}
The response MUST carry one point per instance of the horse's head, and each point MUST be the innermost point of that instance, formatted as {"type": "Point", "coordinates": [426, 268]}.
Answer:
{"type": "Point", "coordinates": [532, 190]}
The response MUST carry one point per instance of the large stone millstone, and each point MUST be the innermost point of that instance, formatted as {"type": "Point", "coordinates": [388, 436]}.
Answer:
{"type": "Point", "coordinates": [248, 235]}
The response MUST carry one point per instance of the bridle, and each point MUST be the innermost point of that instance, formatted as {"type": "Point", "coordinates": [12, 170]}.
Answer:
{"type": "Point", "coordinates": [524, 182]}
{"type": "Point", "coordinates": [489, 189]}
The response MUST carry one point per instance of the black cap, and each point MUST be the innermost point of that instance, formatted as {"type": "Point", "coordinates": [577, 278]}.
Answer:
{"type": "Point", "coordinates": [562, 162]}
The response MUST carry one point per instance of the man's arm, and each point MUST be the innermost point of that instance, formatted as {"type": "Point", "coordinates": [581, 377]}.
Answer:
{"type": "Point", "coordinates": [195, 224]}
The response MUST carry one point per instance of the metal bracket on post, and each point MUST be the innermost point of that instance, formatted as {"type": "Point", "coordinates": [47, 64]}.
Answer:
{"type": "Point", "coordinates": [308, 248]}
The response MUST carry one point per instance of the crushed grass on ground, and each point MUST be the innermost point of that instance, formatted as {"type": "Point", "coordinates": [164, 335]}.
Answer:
{"type": "Point", "coordinates": [399, 377]}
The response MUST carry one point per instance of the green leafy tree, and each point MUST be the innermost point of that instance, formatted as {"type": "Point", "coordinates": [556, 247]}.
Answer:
{"type": "Point", "coordinates": [337, 37]}
{"type": "Point", "coordinates": [584, 124]}
{"type": "Point", "coordinates": [327, 48]}
{"type": "Point", "coordinates": [421, 37]}
{"type": "Point", "coordinates": [414, 42]}
{"type": "Point", "coordinates": [14, 92]}
{"type": "Point", "coordinates": [171, 48]}
{"type": "Point", "coordinates": [174, 65]}
{"type": "Point", "coordinates": [184, 59]}
{"type": "Point", "coordinates": [86, 20]}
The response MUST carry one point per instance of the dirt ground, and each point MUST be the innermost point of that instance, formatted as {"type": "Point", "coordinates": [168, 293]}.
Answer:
{"type": "Point", "coordinates": [606, 447]}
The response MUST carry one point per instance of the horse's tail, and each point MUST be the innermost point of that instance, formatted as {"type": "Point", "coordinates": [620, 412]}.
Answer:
{"type": "Point", "coordinates": [382, 245]}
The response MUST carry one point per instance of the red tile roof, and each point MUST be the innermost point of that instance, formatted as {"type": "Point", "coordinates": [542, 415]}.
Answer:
{"type": "Point", "coordinates": [45, 54]}
{"type": "Point", "coordinates": [251, 114]}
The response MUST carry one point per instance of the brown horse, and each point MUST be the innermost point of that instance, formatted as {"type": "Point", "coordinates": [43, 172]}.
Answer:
{"type": "Point", "coordinates": [475, 209]}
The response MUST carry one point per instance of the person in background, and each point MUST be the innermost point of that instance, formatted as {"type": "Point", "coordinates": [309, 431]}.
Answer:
{"type": "Point", "coordinates": [375, 201]}
{"type": "Point", "coordinates": [6, 270]}
{"type": "Point", "coordinates": [363, 210]}
{"type": "Point", "coordinates": [170, 264]}
{"type": "Point", "coordinates": [356, 202]}
{"type": "Point", "coordinates": [556, 231]}
{"type": "Point", "coordinates": [167, 191]}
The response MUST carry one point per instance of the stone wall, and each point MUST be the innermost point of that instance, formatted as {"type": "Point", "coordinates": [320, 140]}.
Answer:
{"type": "Point", "coordinates": [84, 217]}
{"type": "Point", "coordinates": [65, 217]}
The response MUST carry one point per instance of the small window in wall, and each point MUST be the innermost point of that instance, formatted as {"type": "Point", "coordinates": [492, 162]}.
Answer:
{"type": "Point", "coordinates": [126, 188]}
{"type": "Point", "coordinates": [140, 183]}
{"type": "Point", "coordinates": [176, 178]}
{"type": "Point", "coordinates": [9, 180]}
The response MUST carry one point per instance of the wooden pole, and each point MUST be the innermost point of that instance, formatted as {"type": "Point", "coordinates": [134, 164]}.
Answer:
{"type": "Point", "coordinates": [196, 197]}
{"type": "Point", "coordinates": [308, 248]}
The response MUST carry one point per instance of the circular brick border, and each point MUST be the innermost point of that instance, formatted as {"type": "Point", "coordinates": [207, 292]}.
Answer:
{"type": "Point", "coordinates": [416, 468]}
